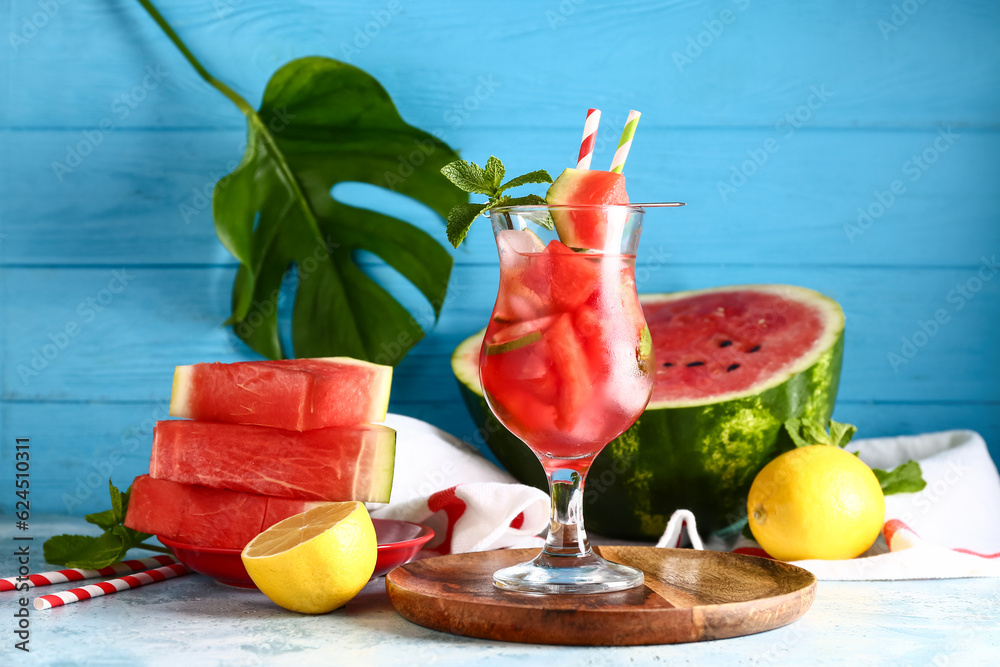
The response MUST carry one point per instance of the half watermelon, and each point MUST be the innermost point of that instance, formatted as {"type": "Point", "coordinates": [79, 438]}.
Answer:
{"type": "Point", "coordinates": [733, 364]}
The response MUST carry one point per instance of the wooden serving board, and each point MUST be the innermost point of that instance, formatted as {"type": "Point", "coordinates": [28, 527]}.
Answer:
{"type": "Point", "coordinates": [688, 596]}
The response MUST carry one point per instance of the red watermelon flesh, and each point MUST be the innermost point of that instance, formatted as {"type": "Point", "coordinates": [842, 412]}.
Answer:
{"type": "Point", "coordinates": [338, 463]}
{"type": "Point", "coordinates": [569, 365]}
{"type": "Point", "coordinates": [204, 516]}
{"type": "Point", "coordinates": [708, 349]}
{"type": "Point", "coordinates": [585, 187]}
{"type": "Point", "coordinates": [294, 394]}
{"type": "Point", "coordinates": [569, 278]}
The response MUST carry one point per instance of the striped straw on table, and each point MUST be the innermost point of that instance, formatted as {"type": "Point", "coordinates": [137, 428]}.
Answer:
{"type": "Point", "coordinates": [589, 138]}
{"type": "Point", "coordinates": [110, 586]}
{"type": "Point", "coordinates": [76, 574]}
{"type": "Point", "coordinates": [625, 143]}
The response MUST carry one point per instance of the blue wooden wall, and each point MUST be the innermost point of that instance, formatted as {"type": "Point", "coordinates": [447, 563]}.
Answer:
{"type": "Point", "coordinates": [780, 123]}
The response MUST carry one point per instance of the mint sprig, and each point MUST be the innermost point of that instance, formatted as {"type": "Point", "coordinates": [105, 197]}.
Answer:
{"type": "Point", "coordinates": [805, 433]}
{"type": "Point", "coordinates": [488, 180]}
{"type": "Point", "coordinates": [905, 478]}
{"type": "Point", "coordinates": [93, 553]}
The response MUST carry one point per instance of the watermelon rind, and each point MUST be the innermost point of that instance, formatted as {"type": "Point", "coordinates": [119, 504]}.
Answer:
{"type": "Point", "coordinates": [379, 390]}
{"type": "Point", "coordinates": [696, 455]}
{"type": "Point", "coordinates": [384, 465]}
{"type": "Point", "coordinates": [180, 392]}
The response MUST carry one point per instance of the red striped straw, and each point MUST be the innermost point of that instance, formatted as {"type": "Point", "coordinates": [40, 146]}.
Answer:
{"type": "Point", "coordinates": [110, 586]}
{"type": "Point", "coordinates": [589, 138]}
{"type": "Point", "coordinates": [625, 143]}
{"type": "Point", "coordinates": [76, 574]}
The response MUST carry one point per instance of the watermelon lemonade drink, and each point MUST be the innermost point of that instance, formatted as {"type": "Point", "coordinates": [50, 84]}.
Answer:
{"type": "Point", "coordinates": [566, 366]}
{"type": "Point", "coordinates": [566, 355]}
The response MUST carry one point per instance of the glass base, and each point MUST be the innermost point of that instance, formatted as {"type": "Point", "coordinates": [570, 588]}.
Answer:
{"type": "Point", "coordinates": [568, 574]}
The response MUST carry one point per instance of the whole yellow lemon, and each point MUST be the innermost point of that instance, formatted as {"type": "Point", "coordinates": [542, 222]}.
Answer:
{"type": "Point", "coordinates": [816, 502]}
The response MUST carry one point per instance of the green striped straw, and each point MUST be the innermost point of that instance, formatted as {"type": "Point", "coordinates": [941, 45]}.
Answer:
{"type": "Point", "coordinates": [625, 143]}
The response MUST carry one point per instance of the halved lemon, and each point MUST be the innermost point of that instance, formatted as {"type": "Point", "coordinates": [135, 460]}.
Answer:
{"type": "Point", "coordinates": [316, 561]}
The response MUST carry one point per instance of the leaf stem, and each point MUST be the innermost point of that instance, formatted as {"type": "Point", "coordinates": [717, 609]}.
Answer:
{"type": "Point", "coordinates": [153, 547]}
{"type": "Point", "coordinates": [233, 96]}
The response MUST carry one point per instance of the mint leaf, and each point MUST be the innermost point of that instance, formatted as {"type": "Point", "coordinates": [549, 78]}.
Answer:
{"type": "Point", "coordinates": [794, 428]}
{"type": "Point", "coordinates": [494, 171]}
{"type": "Point", "coordinates": [841, 434]}
{"type": "Point", "coordinates": [526, 200]}
{"type": "Point", "coordinates": [93, 553]}
{"type": "Point", "coordinates": [105, 519]}
{"type": "Point", "coordinates": [460, 219]}
{"type": "Point", "coordinates": [540, 217]}
{"type": "Point", "coordinates": [119, 502]}
{"type": "Point", "coordinates": [805, 433]}
{"type": "Point", "coordinates": [469, 177]}
{"type": "Point", "coordinates": [539, 176]}
{"type": "Point", "coordinates": [906, 478]}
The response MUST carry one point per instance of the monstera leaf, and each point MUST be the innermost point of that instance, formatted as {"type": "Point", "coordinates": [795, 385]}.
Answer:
{"type": "Point", "coordinates": [324, 122]}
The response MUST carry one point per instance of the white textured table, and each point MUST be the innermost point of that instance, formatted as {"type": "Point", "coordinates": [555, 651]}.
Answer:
{"type": "Point", "coordinates": [192, 621]}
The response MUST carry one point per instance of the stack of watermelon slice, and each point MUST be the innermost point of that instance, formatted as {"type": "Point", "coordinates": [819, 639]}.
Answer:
{"type": "Point", "coordinates": [262, 441]}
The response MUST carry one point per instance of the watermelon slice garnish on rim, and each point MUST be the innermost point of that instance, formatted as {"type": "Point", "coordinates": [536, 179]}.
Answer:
{"type": "Point", "coordinates": [584, 187]}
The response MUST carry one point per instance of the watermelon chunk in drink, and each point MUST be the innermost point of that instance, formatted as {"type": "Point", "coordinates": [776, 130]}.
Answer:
{"type": "Point", "coordinates": [204, 516]}
{"type": "Point", "coordinates": [294, 394]}
{"type": "Point", "coordinates": [563, 278]}
{"type": "Point", "coordinates": [570, 368]}
{"type": "Point", "coordinates": [337, 463]}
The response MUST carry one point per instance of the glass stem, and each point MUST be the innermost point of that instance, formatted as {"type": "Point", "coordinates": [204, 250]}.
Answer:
{"type": "Point", "coordinates": [567, 536]}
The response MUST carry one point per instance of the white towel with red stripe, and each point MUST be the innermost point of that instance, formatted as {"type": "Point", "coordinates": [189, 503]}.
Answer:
{"type": "Point", "coordinates": [471, 504]}
{"type": "Point", "coordinates": [950, 529]}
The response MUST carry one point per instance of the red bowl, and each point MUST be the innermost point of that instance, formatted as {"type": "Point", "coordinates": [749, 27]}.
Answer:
{"type": "Point", "coordinates": [398, 543]}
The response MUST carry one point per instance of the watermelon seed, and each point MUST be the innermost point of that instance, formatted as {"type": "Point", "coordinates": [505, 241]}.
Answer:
{"type": "Point", "coordinates": [696, 363]}
{"type": "Point", "coordinates": [754, 348]}
{"type": "Point", "coordinates": [725, 343]}
{"type": "Point", "coordinates": [732, 367]}
{"type": "Point", "coordinates": [668, 364]}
